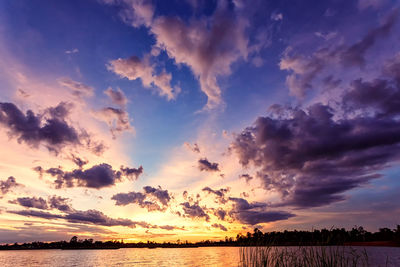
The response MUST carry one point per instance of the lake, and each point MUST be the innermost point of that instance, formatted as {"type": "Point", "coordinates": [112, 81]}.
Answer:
{"type": "Point", "coordinates": [203, 256]}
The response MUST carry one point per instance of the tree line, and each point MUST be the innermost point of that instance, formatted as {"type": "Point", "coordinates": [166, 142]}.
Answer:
{"type": "Point", "coordinates": [334, 236]}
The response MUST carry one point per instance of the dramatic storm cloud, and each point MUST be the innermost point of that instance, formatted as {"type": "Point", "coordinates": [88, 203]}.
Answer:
{"type": "Point", "coordinates": [312, 158]}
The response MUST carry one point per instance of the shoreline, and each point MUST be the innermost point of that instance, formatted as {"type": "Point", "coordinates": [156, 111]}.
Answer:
{"type": "Point", "coordinates": [347, 244]}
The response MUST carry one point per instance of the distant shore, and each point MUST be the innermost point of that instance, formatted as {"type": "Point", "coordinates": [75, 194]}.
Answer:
{"type": "Point", "coordinates": [154, 246]}
{"type": "Point", "coordinates": [357, 236]}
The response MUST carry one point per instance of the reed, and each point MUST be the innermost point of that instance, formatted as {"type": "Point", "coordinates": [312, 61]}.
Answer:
{"type": "Point", "coordinates": [307, 256]}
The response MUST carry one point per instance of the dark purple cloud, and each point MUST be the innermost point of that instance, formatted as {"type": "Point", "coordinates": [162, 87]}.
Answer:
{"type": "Point", "coordinates": [123, 199]}
{"type": "Point", "coordinates": [91, 217]}
{"type": "Point", "coordinates": [153, 199]}
{"type": "Point", "coordinates": [312, 158]}
{"type": "Point", "coordinates": [205, 165]}
{"type": "Point", "coordinates": [220, 213]}
{"type": "Point", "coordinates": [255, 213]}
{"type": "Point", "coordinates": [36, 213]}
{"type": "Point", "coordinates": [7, 185]}
{"type": "Point", "coordinates": [383, 96]}
{"type": "Point", "coordinates": [79, 161]}
{"type": "Point", "coordinates": [247, 177]}
{"type": "Point", "coordinates": [220, 226]}
{"type": "Point", "coordinates": [52, 131]}
{"type": "Point", "coordinates": [220, 193]}
{"type": "Point", "coordinates": [170, 227]}
{"type": "Point", "coordinates": [162, 195]}
{"type": "Point", "coordinates": [31, 202]}
{"type": "Point", "coordinates": [130, 172]}
{"type": "Point", "coordinates": [59, 203]}
{"type": "Point", "coordinates": [97, 176]}
{"type": "Point", "coordinates": [194, 211]}
{"type": "Point", "coordinates": [53, 202]}
{"type": "Point", "coordinates": [98, 218]}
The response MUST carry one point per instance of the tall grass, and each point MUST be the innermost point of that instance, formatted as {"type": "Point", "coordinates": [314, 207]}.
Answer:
{"type": "Point", "coordinates": [308, 256]}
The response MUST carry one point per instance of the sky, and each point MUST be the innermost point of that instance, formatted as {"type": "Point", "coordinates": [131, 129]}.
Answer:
{"type": "Point", "coordinates": [193, 120]}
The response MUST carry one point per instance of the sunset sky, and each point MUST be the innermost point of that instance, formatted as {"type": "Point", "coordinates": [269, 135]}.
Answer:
{"type": "Point", "coordinates": [192, 120]}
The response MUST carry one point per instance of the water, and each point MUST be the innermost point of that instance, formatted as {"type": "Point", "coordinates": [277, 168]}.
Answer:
{"type": "Point", "coordinates": [206, 256]}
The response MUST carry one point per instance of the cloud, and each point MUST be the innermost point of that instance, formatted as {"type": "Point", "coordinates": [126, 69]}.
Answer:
{"type": "Point", "coordinates": [326, 36]}
{"type": "Point", "coordinates": [195, 148]}
{"type": "Point", "coordinates": [78, 161]}
{"type": "Point", "coordinates": [73, 51]}
{"type": "Point", "coordinates": [59, 203]}
{"type": "Point", "coordinates": [31, 202]}
{"type": "Point", "coordinates": [36, 213]}
{"type": "Point", "coordinates": [276, 16]}
{"type": "Point", "coordinates": [7, 185]}
{"type": "Point", "coordinates": [354, 55]}
{"type": "Point", "coordinates": [136, 12]}
{"type": "Point", "coordinates": [117, 119]}
{"type": "Point", "coordinates": [220, 226]}
{"type": "Point", "coordinates": [205, 165]}
{"type": "Point", "coordinates": [162, 195]}
{"type": "Point", "coordinates": [247, 177]}
{"type": "Point", "coordinates": [51, 130]}
{"type": "Point", "coordinates": [220, 193]}
{"type": "Point", "coordinates": [194, 211]}
{"type": "Point", "coordinates": [98, 218]}
{"type": "Point", "coordinates": [97, 176]}
{"type": "Point", "coordinates": [254, 213]}
{"type": "Point", "coordinates": [79, 89]}
{"type": "Point", "coordinates": [208, 46]}
{"type": "Point", "coordinates": [134, 68]}
{"type": "Point", "coordinates": [53, 202]}
{"type": "Point", "coordinates": [88, 217]}
{"type": "Point", "coordinates": [220, 213]}
{"type": "Point", "coordinates": [312, 158]}
{"type": "Point", "coordinates": [303, 70]}
{"type": "Point", "coordinates": [132, 172]}
{"type": "Point", "coordinates": [92, 217]}
{"type": "Point", "coordinates": [170, 227]}
{"type": "Point", "coordinates": [123, 199]}
{"type": "Point", "coordinates": [153, 199]}
{"type": "Point", "coordinates": [117, 96]}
